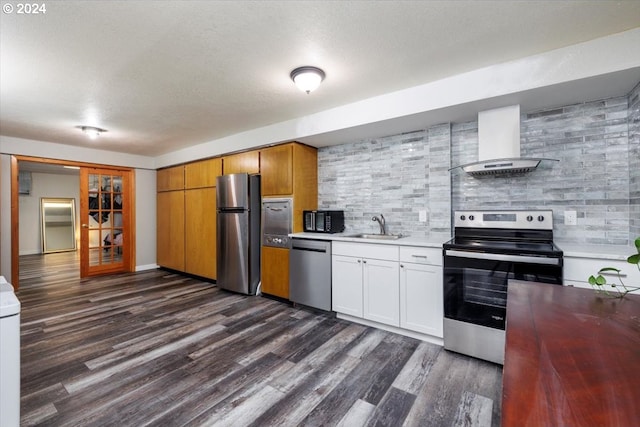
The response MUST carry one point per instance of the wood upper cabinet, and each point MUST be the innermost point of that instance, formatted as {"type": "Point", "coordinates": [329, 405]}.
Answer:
{"type": "Point", "coordinates": [305, 182]}
{"type": "Point", "coordinates": [200, 232]}
{"type": "Point", "coordinates": [170, 178]}
{"type": "Point", "coordinates": [170, 229]}
{"type": "Point", "coordinates": [203, 173]}
{"type": "Point", "coordinates": [275, 271]}
{"type": "Point", "coordinates": [276, 168]}
{"type": "Point", "coordinates": [247, 162]}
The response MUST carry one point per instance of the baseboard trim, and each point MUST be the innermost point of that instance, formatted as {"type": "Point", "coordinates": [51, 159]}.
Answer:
{"type": "Point", "coordinates": [399, 331]}
{"type": "Point", "coordinates": [30, 252]}
{"type": "Point", "coordinates": [147, 267]}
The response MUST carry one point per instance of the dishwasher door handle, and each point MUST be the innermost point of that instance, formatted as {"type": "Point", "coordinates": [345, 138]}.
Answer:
{"type": "Point", "coordinates": [296, 248]}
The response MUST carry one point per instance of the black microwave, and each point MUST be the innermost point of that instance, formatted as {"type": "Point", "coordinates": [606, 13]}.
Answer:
{"type": "Point", "coordinates": [324, 221]}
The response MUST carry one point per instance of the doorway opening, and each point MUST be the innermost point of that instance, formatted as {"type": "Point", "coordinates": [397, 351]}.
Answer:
{"type": "Point", "coordinates": [57, 178]}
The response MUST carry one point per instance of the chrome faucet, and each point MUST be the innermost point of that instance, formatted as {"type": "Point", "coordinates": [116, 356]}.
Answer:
{"type": "Point", "coordinates": [381, 222]}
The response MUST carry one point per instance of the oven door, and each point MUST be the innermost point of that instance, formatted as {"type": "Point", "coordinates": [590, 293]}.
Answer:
{"type": "Point", "coordinates": [475, 284]}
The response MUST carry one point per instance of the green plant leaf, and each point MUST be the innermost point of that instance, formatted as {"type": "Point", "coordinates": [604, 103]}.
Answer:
{"type": "Point", "coordinates": [601, 281]}
{"type": "Point", "coordinates": [617, 270]}
{"type": "Point", "coordinates": [634, 259]}
{"type": "Point", "coordinates": [592, 280]}
{"type": "Point", "coordinates": [637, 242]}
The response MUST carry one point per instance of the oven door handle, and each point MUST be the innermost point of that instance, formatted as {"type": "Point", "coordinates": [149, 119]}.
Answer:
{"type": "Point", "coordinates": [503, 257]}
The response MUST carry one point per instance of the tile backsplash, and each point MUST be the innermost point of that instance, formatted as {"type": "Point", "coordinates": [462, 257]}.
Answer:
{"type": "Point", "coordinates": [634, 163]}
{"type": "Point", "coordinates": [397, 176]}
{"type": "Point", "coordinates": [590, 140]}
{"type": "Point", "coordinates": [598, 174]}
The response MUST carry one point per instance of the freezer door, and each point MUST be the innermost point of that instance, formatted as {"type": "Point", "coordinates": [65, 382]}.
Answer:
{"type": "Point", "coordinates": [232, 252]}
{"type": "Point", "coordinates": [233, 191]}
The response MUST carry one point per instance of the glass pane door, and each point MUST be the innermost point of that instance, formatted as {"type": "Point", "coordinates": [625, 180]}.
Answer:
{"type": "Point", "coordinates": [105, 222]}
{"type": "Point", "coordinates": [105, 219]}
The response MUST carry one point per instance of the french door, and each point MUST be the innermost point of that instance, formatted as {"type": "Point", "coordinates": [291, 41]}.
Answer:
{"type": "Point", "coordinates": [105, 218]}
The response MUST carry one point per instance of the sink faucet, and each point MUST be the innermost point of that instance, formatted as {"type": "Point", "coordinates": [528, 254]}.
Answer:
{"type": "Point", "coordinates": [381, 222]}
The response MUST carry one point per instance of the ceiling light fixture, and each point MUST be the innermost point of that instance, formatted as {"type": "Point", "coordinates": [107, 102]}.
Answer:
{"type": "Point", "coordinates": [307, 78]}
{"type": "Point", "coordinates": [91, 131]}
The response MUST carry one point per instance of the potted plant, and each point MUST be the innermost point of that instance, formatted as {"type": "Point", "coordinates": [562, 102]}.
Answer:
{"type": "Point", "coordinates": [599, 283]}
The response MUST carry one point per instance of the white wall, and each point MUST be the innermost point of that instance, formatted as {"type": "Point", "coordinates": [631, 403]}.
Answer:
{"type": "Point", "coordinates": [44, 185]}
{"type": "Point", "coordinates": [5, 213]}
{"type": "Point", "coordinates": [145, 219]}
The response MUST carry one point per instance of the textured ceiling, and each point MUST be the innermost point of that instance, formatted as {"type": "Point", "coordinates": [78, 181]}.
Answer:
{"type": "Point", "coordinates": [165, 75]}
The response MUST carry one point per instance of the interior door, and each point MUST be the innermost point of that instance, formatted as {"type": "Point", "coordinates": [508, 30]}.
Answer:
{"type": "Point", "coordinates": [105, 215]}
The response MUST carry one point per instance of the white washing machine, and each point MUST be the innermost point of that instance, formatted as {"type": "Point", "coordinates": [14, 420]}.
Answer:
{"type": "Point", "coordinates": [9, 356]}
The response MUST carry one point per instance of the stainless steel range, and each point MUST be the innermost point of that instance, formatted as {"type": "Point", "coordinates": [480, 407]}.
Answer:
{"type": "Point", "coordinates": [488, 249]}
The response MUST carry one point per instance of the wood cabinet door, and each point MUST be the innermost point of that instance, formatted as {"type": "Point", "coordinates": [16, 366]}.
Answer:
{"type": "Point", "coordinates": [381, 291]}
{"type": "Point", "coordinates": [275, 271]}
{"type": "Point", "coordinates": [170, 230]}
{"type": "Point", "coordinates": [421, 303]}
{"type": "Point", "coordinates": [346, 285]}
{"type": "Point", "coordinates": [200, 232]}
{"type": "Point", "coordinates": [247, 162]}
{"type": "Point", "coordinates": [202, 174]}
{"type": "Point", "coordinates": [276, 168]}
{"type": "Point", "coordinates": [170, 179]}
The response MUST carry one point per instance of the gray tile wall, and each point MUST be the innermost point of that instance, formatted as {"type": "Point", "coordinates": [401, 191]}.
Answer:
{"type": "Point", "coordinates": [396, 176]}
{"type": "Point", "coordinates": [597, 143]}
{"type": "Point", "coordinates": [634, 163]}
{"type": "Point", "coordinates": [592, 177]}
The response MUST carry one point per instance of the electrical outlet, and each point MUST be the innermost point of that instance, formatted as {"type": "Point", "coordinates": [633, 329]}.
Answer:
{"type": "Point", "coordinates": [570, 218]}
{"type": "Point", "coordinates": [422, 216]}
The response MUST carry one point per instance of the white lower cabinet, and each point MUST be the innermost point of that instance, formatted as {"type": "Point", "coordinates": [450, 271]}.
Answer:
{"type": "Point", "coordinates": [421, 304]}
{"type": "Point", "coordinates": [381, 291]}
{"type": "Point", "coordinates": [346, 285]}
{"type": "Point", "coordinates": [577, 270]}
{"type": "Point", "coordinates": [391, 285]}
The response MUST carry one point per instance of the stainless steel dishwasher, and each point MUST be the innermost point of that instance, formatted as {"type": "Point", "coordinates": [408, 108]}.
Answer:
{"type": "Point", "coordinates": [310, 273]}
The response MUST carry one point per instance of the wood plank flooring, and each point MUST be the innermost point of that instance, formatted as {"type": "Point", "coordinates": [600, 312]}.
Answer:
{"type": "Point", "coordinates": [161, 349]}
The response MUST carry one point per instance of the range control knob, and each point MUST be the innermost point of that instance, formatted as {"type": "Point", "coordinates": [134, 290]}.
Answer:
{"type": "Point", "coordinates": [529, 218]}
{"type": "Point", "coordinates": [462, 217]}
{"type": "Point", "coordinates": [471, 217]}
{"type": "Point", "coordinates": [540, 218]}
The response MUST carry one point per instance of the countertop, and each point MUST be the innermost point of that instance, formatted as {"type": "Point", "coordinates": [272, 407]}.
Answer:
{"type": "Point", "coordinates": [571, 357]}
{"type": "Point", "coordinates": [430, 241]}
{"type": "Point", "coordinates": [613, 252]}
{"type": "Point", "coordinates": [435, 240]}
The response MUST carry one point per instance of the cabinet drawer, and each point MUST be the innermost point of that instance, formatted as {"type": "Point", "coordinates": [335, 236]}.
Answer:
{"type": "Point", "coordinates": [577, 284]}
{"type": "Point", "coordinates": [366, 250]}
{"type": "Point", "coordinates": [419, 255]}
{"type": "Point", "coordinates": [579, 269]}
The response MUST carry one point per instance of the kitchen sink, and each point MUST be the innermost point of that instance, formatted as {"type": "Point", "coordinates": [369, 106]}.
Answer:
{"type": "Point", "coordinates": [377, 236]}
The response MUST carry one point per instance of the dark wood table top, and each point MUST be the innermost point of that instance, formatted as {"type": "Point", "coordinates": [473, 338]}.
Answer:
{"type": "Point", "coordinates": [572, 358]}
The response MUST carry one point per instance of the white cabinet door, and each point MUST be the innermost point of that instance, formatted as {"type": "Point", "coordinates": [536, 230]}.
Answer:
{"type": "Point", "coordinates": [346, 285]}
{"type": "Point", "coordinates": [421, 303]}
{"type": "Point", "coordinates": [381, 291]}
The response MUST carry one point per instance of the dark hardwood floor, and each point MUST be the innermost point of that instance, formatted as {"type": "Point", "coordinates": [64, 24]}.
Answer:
{"type": "Point", "coordinates": [161, 349]}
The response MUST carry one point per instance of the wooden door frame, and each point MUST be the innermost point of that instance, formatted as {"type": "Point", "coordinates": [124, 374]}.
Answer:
{"type": "Point", "coordinates": [15, 213]}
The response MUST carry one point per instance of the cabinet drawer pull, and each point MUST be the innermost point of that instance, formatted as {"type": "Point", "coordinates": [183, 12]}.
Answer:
{"type": "Point", "coordinates": [606, 273]}
{"type": "Point", "coordinates": [419, 256]}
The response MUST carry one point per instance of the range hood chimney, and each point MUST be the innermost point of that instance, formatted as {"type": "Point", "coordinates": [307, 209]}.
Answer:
{"type": "Point", "coordinates": [499, 144]}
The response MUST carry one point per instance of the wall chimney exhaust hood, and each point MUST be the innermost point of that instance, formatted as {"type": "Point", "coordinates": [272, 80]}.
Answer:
{"type": "Point", "coordinates": [499, 144]}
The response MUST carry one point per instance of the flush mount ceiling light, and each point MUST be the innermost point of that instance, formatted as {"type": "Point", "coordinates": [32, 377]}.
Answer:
{"type": "Point", "coordinates": [91, 131]}
{"type": "Point", "coordinates": [307, 78]}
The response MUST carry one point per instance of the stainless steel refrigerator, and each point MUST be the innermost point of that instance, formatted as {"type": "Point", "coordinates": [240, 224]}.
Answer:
{"type": "Point", "coordinates": [238, 245]}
